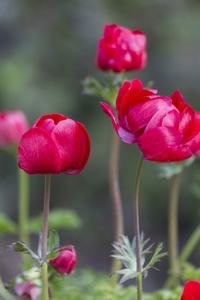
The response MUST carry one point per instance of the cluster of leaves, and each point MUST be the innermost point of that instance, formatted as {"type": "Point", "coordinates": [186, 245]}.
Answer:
{"type": "Point", "coordinates": [126, 253]}
{"type": "Point", "coordinates": [53, 243]}
{"type": "Point", "coordinates": [90, 285]}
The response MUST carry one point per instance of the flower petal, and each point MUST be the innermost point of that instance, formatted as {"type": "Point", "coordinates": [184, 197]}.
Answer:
{"type": "Point", "coordinates": [173, 154]}
{"type": "Point", "coordinates": [73, 144]}
{"type": "Point", "coordinates": [157, 140]}
{"type": "Point", "coordinates": [191, 290]}
{"type": "Point", "coordinates": [127, 137]}
{"type": "Point", "coordinates": [38, 153]}
{"type": "Point", "coordinates": [141, 114]}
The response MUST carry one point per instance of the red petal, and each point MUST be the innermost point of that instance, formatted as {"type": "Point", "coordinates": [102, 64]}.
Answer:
{"type": "Point", "coordinates": [178, 101]}
{"type": "Point", "coordinates": [191, 291]}
{"type": "Point", "coordinates": [121, 94]}
{"type": "Point", "coordinates": [126, 136]}
{"type": "Point", "coordinates": [173, 154]}
{"type": "Point", "coordinates": [141, 114]}
{"type": "Point", "coordinates": [157, 140]}
{"type": "Point", "coordinates": [38, 153]}
{"type": "Point", "coordinates": [73, 144]}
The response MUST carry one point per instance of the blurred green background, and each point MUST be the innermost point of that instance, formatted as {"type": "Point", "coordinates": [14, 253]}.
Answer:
{"type": "Point", "coordinates": [47, 48]}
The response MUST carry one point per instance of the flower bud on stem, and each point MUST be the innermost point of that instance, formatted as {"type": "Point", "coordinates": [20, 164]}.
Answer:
{"type": "Point", "coordinates": [137, 228]}
{"type": "Point", "coordinates": [44, 236]}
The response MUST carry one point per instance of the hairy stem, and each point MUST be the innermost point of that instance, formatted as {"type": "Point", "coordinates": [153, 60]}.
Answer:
{"type": "Point", "coordinates": [137, 227]}
{"type": "Point", "coordinates": [44, 236]}
{"type": "Point", "coordinates": [116, 201]}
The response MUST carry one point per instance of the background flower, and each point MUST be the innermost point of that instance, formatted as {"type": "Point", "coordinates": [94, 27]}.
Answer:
{"type": "Point", "coordinates": [54, 144]}
{"type": "Point", "coordinates": [13, 124]}
{"type": "Point", "coordinates": [121, 49]}
{"type": "Point", "coordinates": [191, 291]}
{"type": "Point", "coordinates": [27, 290]}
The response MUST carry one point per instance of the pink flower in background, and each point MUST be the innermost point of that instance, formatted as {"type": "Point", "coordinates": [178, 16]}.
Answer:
{"type": "Point", "coordinates": [191, 291]}
{"type": "Point", "coordinates": [54, 144]}
{"type": "Point", "coordinates": [121, 49]}
{"type": "Point", "coordinates": [163, 127]}
{"type": "Point", "coordinates": [65, 262]}
{"type": "Point", "coordinates": [13, 124]}
{"type": "Point", "coordinates": [27, 290]}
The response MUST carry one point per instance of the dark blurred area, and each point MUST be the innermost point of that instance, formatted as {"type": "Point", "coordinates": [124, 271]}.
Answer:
{"type": "Point", "coordinates": [46, 49]}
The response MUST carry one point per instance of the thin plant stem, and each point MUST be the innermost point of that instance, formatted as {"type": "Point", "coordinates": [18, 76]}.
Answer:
{"type": "Point", "coordinates": [23, 206]}
{"type": "Point", "coordinates": [137, 228]}
{"type": "Point", "coordinates": [190, 245]}
{"type": "Point", "coordinates": [44, 236]}
{"type": "Point", "coordinates": [116, 201]}
{"type": "Point", "coordinates": [4, 293]}
{"type": "Point", "coordinates": [45, 292]}
{"type": "Point", "coordinates": [173, 230]}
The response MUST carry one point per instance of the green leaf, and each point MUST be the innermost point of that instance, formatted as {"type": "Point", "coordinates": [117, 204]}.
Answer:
{"type": "Point", "coordinates": [156, 257]}
{"type": "Point", "coordinates": [53, 241]}
{"type": "Point", "coordinates": [126, 253]}
{"type": "Point", "coordinates": [58, 219]}
{"type": "Point", "coordinates": [6, 225]}
{"type": "Point", "coordinates": [108, 90]}
{"type": "Point", "coordinates": [23, 248]}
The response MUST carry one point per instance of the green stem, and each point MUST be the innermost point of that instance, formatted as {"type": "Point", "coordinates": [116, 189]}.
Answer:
{"type": "Point", "coordinates": [190, 245]}
{"type": "Point", "coordinates": [45, 281]}
{"type": "Point", "coordinates": [116, 201]}
{"type": "Point", "coordinates": [44, 236]}
{"type": "Point", "coordinates": [137, 227]}
{"type": "Point", "coordinates": [4, 293]}
{"type": "Point", "coordinates": [173, 230]}
{"type": "Point", "coordinates": [23, 206]}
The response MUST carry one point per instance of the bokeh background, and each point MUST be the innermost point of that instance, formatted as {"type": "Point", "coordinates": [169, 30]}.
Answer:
{"type": "Point", "coordinates": [47, 48]}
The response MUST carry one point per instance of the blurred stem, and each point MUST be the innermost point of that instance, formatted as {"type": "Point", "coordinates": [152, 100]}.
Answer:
{"type": "Point", "coordinates": [44, 236]}
{"type": "Point", "coordinates": [23, 210]}
{"type": "Point", "coordinates": [4, 293]}
{"type": "Point", "coordinates": [137, 227]}
{"type": "Point", "coordinates": [116, 201]}
{"type": "Point", "coordinates": [190, 245]}
{"type": "Point", "coordinates": [173, 230]}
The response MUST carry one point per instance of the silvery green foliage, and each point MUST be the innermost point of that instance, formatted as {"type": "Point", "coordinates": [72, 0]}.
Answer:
{"type": "Point", "coordinates": [126, 253]}
{"type": "Point", "coordinates": [168, 170]}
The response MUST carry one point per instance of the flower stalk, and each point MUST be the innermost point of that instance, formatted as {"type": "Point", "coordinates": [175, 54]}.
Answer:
{"type": "Point", "coordinates": [44, 236]}
{"type": "Point", "coordinates": [173, 230]}
{"type": "Point", "coordinates": [116, 201]}
{"type": "Point", "coordinates": [23, 206]}
{"type": "Point", "coordinates": [137, 228]}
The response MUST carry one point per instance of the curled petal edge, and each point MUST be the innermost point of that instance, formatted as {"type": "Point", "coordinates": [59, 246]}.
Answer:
{"type": "Point", "coordinates": [126, 136]}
